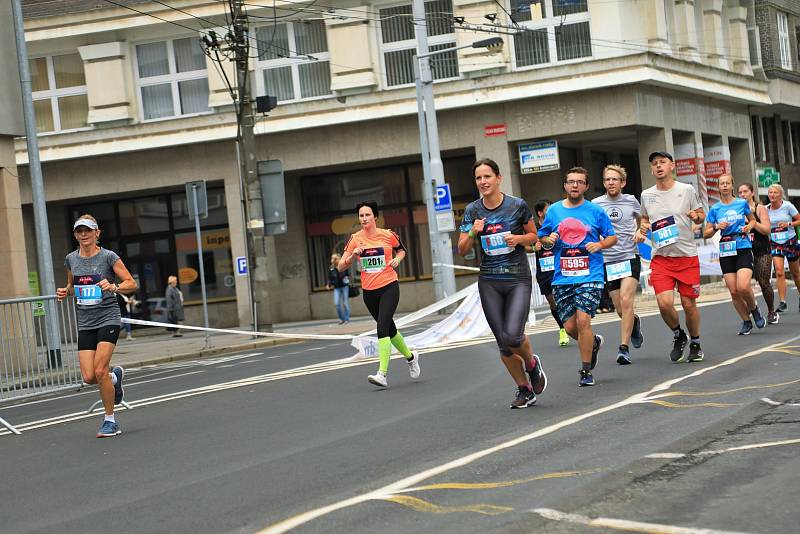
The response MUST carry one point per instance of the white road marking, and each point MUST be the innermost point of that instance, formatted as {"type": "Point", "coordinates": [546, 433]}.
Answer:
{"type": "Point", "coordinates": [776, 403]}
{"type": "Point", "coordinates": [625, 525]}
{"type": "Point", "coordinates": [670, 455]}
{"type": "Point", "coordinates": [403, 484]}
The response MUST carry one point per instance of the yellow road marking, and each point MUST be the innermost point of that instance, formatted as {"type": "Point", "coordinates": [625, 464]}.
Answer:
{"type": "Point", "coordinates": [420, 505]}
{"type": "Point", "coordinates": [503, 484]}
{"type": "Point", "coordinates": [668, 404]}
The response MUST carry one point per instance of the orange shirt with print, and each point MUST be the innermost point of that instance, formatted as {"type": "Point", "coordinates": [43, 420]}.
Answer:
{"type": "Point", "coordinates": [377, 252]}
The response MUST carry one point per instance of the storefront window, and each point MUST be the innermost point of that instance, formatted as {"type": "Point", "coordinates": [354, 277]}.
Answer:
{"type": "Point", "coordinates": [144, 215]}
{"type": "Point", "coordinates": [217, 264]}
{"type": "Point", "coordinates": [217, 210]}
{"type": "Point", "coordinates": [330, 202]}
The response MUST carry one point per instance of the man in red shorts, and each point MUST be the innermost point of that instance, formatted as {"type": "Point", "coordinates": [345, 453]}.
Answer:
{"type": "Point", "coordinates": [668, 210]}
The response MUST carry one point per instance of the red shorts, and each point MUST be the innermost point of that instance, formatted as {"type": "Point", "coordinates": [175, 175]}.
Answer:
{"type": "Point", "coordinates": [667, 271]}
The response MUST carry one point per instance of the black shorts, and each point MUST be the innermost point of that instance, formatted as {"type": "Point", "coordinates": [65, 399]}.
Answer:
{"type": "Point", "coordinates": [742, 260]}
{"type": "Point", "coordinates": [636, 270]}
{"type": "Point", "coordinates": [545, 283]}
{"type": "Point", "coordinates": [89, 339]}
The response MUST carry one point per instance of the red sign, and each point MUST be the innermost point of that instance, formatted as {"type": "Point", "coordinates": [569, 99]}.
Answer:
{"type": "Point", "coordinates": [492, 130]}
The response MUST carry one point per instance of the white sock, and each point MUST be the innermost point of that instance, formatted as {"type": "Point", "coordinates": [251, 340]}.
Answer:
{"type": "Point", "coordinates": [110, 418]}
{"type": "Point", "coordinates": [113, 378]}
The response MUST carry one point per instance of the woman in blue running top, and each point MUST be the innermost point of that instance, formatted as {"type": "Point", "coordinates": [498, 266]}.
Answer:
{"type": "Point", "coordinates": [783, 218]}
{"type": "Point", "coordinates": [733, 219]}
{"type": "Point", "coordinates": [503, 226]}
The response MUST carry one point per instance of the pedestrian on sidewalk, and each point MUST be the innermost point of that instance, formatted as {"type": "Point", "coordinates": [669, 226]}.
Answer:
{"type": "Point", "coordinates": [174, 298]}
{"type": "Point", "coordinates": [339, 282]}
{"type": "Point", "coordinates": [127, 304]}
{"type": "Point", "coordinates": [91, 272]}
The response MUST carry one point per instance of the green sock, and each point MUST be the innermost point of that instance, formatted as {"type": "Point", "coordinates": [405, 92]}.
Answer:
{"type": "Point", "coordinates": [384, 352]}
{"type": "Point", "coordinates": [400, 344]}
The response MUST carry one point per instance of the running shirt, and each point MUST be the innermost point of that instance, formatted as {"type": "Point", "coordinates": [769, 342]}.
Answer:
{"type": "Point", "coordinates": [498, 260]}
{"type": "Point", "coordinates": [732, 238]}
{"type": "Point", "coordinates": [96, 308]}
{"type": "Point", "coordinates": [545, 263]}
{"type": "Point", "coordinates": [378, 251]}
{"type": "Point", "coordinates": [784, 213]}
{"type": "Point", "coordinates": [576, 227]}
{"type": "Point", "coordinates": [760, 241]}
{"type": "Point", "coordinates": [623, 212]}
{"type": "Point", "coordinates": [671, 227]}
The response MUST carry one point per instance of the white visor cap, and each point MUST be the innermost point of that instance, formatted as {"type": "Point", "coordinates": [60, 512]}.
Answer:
{"type": "Point", "coordinates": [88, 223]}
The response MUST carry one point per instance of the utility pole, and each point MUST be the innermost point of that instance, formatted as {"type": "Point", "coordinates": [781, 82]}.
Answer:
{"type": "Point", "coordinates": [444, 280]}
{"type": "Point", "coordinates": [262, 267]}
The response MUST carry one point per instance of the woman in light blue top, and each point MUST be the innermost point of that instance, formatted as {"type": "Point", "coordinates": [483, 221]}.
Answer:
{"type": "Point", "coordinates": [784, 218]}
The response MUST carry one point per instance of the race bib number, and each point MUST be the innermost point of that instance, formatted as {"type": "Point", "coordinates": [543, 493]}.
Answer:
{"type": "Point", "coordinates": [574, 262]}
{"type": "Point", "coordinates": [780, 236]}
{"type": "Point", "coordinates": [665, 232]}
{"type": "Point", "coordinates": [373, 260]}
{"type": "Point", "coordinates": [619, 270]}
{"type": "Point", "coordinates": [547, 262]}
{"type": "Point", "coordinates": [727, 247]}
{"type": "Point", "coordinates": [87, 292]}
{"type": "Point", "coordinates": [493, 239]}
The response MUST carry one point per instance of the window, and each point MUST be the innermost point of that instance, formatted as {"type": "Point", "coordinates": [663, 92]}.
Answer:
{"type": "Point", "coordinates": [783, 41]}
{"type": "Point", "coordinates": [293, 61]}
{"type": "Point", "coordinates": [757, 128]}
{"type": "Point", "coordinates": [329, 211]}
{"type": "Point", "coordinates": [788, 142]}
{"type": "Point", "coordinates": [556, 30]}
{"type": "Point", "coordinates": [59, 93]}
{"type": "Point", "coordinates": [795, 129]}
{"type": "Point", "coordinates": [172, 78]}
{"type": "Point", "coordinates": [398, 42]}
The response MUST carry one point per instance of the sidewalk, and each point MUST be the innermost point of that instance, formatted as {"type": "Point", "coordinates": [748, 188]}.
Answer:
{"type": "Point", "coordinates": [150, 349]}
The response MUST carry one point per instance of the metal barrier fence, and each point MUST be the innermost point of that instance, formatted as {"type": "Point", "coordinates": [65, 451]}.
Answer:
{"type": "Point", "coordinates": [38, 348]}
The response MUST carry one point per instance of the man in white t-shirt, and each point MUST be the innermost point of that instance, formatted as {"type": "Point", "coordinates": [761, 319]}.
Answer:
{"type": "Point", "coordinates": [668, 210]}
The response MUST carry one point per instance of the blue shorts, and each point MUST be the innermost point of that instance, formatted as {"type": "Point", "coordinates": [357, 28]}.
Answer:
{"type": "Point", "coordinates": [573, 297]}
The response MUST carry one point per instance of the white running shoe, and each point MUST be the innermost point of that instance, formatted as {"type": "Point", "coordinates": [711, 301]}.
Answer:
{"type": "Point", "coordinates": [379, 379]}
{"type": "Point", "coordinates": [413, 365]}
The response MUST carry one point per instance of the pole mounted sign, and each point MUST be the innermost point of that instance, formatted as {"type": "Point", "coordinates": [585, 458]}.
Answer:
{"type": "Point", "coordinates": [540, 156]}
{"type": "Point", "coordinates": [443, 204]}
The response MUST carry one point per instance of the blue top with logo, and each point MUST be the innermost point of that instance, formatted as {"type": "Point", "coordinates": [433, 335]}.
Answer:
{"type": "Point", "coordinates": [735, 215]}
{"type": "Point", "coordinates": [498, 260]}
{"type": "Point", "coordinates": [576, 227]}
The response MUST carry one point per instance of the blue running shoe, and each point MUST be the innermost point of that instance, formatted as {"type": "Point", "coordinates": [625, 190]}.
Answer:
{"type": "Point", "coordinates": [623, 355]}
{"type": "Point", "coordinates": [119, 392]}
{"type": "Point", "coordinates": [747, 327]}
{"type": "Point", "coordinates": [758, 319]}
{"type": "Point", "coordinates": [109, 429]}
{"type": "Point", "coordinates": [637, 338]}
{"type": "Point", "coordinates": [586, 379]}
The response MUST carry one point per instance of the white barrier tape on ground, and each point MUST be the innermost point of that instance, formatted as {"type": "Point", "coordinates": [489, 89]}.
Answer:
{"type": "Point", "coordinates": [459, 267]}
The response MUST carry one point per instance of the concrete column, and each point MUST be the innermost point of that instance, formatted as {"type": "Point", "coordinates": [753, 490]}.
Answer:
{"type": "Point", "coordinates": [350, 43]}
{"type": "Point", "coordinates": [109, 82]}
{"type": "Point", "coordinates": [498, 149]}
{"type": "Point", "coordinates": [737, 40]}
{"type": "Point", "coordinates": [648, 141]}
{"type": "Point", "coordinates": [742, 164]}
{"type": "Point", "coordinates": [479, 61]}
{"type": "Point", "coordinates": [233, 195]}
{"type": "Point", "coordinates": [686, 30]}
{"type": "Point", "coordinates": [13, 263]}
{"type": "Point", "coordinates": [714, 41]}
{"type": "Point", "coordinates": [657, 26]}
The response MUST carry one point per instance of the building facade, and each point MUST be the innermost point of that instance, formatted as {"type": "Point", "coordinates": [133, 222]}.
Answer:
{"type": "Point", "coordinates": [129, 108]}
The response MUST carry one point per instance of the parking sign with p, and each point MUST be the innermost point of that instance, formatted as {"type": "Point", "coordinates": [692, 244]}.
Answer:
{"type": "Point", "coordinates": [441, 198]}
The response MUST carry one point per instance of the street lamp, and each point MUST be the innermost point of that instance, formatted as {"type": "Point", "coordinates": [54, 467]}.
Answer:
{"type": "Point", "coordinates": [444, 281]}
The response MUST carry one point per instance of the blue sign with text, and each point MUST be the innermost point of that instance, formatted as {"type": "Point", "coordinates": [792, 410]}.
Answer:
{"type": "Point", "coordinates": [441, 198]}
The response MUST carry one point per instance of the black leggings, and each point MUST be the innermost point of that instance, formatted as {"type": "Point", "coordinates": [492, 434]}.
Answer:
{"type": "Point", "coordinates": [382, 303]}
{"type": "Point", "coordinates": [506, 304]}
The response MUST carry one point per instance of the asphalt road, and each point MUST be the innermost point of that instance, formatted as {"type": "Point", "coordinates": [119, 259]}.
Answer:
{"type": "Point", "coordinates": [293, 437]}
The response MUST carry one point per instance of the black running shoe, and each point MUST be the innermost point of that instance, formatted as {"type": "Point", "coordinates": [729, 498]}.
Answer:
{"type": "Point", "coordinates": [746, 329]}
{"type": "Point", "coordinates": [623, 355]}
{"type": "Point", "coordinates": [537, 376]}
{"type": "Point", "coordinates": [695, 352]}
{"type": "Point", "coordinates": [678, 345]}
{"type": "Point", "coordinates": [773, 318]}
{"type": "Point", "coordinates": [636, 334]}
{"type": "Point", "coordinates": [598, 342]}
{"type": "Point", "coordinates": [758, 319]}
{"type": "Point", "coordinates": [782, 307]}
{"type": "Point", "coordinates": [525, 398]}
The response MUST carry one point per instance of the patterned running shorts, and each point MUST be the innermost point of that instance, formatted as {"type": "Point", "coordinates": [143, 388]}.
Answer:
{"type": "Point", "coordinates": [573, 297]}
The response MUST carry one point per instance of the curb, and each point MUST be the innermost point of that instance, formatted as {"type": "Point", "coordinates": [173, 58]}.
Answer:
{"type": "Point", "coordinates": [213, 351]}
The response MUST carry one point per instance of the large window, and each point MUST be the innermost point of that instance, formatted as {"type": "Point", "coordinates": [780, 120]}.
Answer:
{"type": "Point", "coordinates": [556, 30]}
{"type": "Point", "coordinates": [293, 61]}
{"type": "Point", "coordinates": [329, 204]}
{"type": "Point", "coordinates": [172, 78]}
{"type": "Point", "coordinates": [155, 239]}
{"type": "Point", "coordinates": [398, 43]}
{"type": "Point", "coordinates": [783, 41]}
{"type": "Point", "coordinates": [59, 93]}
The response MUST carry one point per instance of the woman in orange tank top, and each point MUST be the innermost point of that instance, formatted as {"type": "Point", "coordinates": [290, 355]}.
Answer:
{"type": "Point", "coordinates": [379, 252]}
